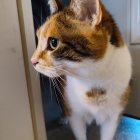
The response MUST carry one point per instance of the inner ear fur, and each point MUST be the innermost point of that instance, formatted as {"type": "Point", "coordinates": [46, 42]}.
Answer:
{"type": "Point", "coordinates": [88, 10]}
{"type": "Point", "coordinates": [55, 6]}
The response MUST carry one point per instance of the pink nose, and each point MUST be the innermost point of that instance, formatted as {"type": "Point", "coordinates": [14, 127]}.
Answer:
{"type": "Point", "coordinates": [34, 61]}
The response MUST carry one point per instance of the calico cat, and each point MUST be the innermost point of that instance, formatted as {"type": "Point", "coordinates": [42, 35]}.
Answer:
{"type": "Point", "coordinates": [82, 42]}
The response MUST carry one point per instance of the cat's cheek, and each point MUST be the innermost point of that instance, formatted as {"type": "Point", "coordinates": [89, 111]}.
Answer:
{"type": "Point", "coordinates": [49, 60]}
{"type": "Point", "coordinates": [57, 63]}
{"type": "Point", "coordinates": [70, 64]}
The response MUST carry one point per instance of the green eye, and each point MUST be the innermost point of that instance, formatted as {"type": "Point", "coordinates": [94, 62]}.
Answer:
{"type": "Point", "coordinates": [52, 43]}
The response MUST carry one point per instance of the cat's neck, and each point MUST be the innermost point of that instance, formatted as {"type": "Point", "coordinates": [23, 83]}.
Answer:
{"type": "Point", "coordinates": [90, 70]}
{"type": "Point", "coordinates": [106, 72]}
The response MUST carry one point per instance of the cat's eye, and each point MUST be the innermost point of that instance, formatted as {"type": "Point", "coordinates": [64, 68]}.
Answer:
{"type": "Point", "coordinates": [52, 43]}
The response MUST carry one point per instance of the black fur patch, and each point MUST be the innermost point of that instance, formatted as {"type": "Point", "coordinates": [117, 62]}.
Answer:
{"type": "Point", "coordinates": [83, 51]}
{"type": "Point", "coordinates": [75, 50]}
{"type": "Point", "coordinates": [66, 53]}
{"type": "Point", "coordinates": [115, 38]}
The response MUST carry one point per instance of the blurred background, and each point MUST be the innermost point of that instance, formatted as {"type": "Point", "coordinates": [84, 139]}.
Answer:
{"type": "Point", "coordinates": [28, 104]}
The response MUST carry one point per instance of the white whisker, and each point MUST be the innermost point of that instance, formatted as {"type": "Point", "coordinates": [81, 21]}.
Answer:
{"type": "Point", "coordinates": [63, 70]}
{"type": "Point", "coordinates": [59, 82]}
{"type": "Point", "coordinates": [59, 89]}
{"type": "Point", "coordinates": [56, 95]}
{"type": "Point", "coordinates": [50, 89]}
{"type": "Point", "coordinates": [60, 77]}
{"type": "Point", "coordinates": [42, 79]}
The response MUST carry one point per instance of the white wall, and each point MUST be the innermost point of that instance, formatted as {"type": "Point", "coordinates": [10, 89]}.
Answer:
{"type": "Point", "coordinates": [15, 115]}
{"type": "Point", "coordinates": [134, 102]}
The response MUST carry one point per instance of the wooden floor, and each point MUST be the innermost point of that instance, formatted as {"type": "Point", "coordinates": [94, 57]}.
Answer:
{"type": "Point", "coordinates": [129, 129]}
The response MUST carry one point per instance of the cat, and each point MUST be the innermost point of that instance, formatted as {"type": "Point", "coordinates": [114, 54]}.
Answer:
{"type": "Point", "coordinates": [83, 42]}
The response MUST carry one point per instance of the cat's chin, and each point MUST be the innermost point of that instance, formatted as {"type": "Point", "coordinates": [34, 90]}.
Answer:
{"type": "Point", "coordinates": [47, 72]}
{"type": "Point", "coordinates": [49, 75]}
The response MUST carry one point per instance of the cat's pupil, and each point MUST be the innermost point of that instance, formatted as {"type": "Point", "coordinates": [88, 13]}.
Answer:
{"type": "Point", "coordinates": [53, 42]}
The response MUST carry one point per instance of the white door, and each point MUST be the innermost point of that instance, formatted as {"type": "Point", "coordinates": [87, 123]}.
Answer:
{"type": "Point", "coordinates": [15, 113]}
{"type": "Point", "coordinates": [127, 15]}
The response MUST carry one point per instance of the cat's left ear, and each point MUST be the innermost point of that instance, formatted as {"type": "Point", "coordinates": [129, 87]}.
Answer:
{"type": "Point", "coordinates": [55, 6]}
{"type": "Point", "coordinates": [88, 10]}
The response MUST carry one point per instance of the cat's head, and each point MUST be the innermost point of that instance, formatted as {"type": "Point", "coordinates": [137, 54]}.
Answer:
{"type": "Point", "coordinates": [72, 36]}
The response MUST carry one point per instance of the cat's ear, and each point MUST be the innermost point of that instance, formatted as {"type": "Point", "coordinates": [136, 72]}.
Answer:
{"type": "Point", "coordinates": [89, 10]}
{"type": "Point", "coordinates": [55, 6]}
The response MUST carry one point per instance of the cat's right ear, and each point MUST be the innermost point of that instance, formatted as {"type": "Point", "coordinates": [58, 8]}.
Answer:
{"type": "Point", "coordinates": [55, 6]}
{"type": "Point", "coordinates": [87, 10]}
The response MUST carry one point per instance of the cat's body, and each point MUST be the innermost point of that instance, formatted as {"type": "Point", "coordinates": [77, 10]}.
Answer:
{"type": "Point", "coordinates": [110, 103]}
{"type": "Point", "coordinates": [83, 43]}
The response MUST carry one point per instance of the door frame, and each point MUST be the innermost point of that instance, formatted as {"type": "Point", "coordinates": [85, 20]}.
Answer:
{"type": "Point", "coordinates": [33, 81]}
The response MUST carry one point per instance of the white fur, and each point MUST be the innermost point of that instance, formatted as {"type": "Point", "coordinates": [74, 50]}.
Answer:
{"type": "Point", "coordinates": [43, 42]}
{"type": "Point", "coordinates": [53, 6]}
{"type": "Point", "coordinates": [113, 74]}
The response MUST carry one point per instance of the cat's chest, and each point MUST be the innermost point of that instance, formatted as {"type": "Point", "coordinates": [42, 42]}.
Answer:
{"type": "Point", "coordinates": [82, 95]}
{"type": "Point", "coordinates": [77, 88]}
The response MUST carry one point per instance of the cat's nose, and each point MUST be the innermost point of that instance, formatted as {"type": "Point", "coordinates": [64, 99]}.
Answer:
{"type": "Point", "coordinates": [34, 61]}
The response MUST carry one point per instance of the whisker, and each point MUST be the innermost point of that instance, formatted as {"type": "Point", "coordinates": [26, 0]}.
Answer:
{"type": "Point", "coordinates": [50, 89]}
{"type": "Point", "coordinates": [42, 79]}
{"type": "Point", "coordinates": [57, 98]}
{"type": "Point", "coordinates": [55, 74]}
{"type": "Point", "coordinates": [63, 70]}
{"type": "Point", "coordinates": [60, 82]}
{"type": "Point", "coordinates": [60, 77]}
{"type": "Point", "coordinates": [54, 87]}
{"type": "Point", "coordinates": [59, 67]}
{"type": "Point", "coordinates": [57, 87]}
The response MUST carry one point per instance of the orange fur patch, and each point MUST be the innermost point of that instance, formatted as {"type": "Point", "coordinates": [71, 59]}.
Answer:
{"type": "Point", "coordinates": [125, 97]}
{"type": "Point", "coordinates": [96, 96]}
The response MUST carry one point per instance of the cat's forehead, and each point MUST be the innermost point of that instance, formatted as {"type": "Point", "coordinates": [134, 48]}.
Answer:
{"type": "Point", "coordinates": [49, 24]}
{"type": "Point", "coordinates": [57, 24]}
